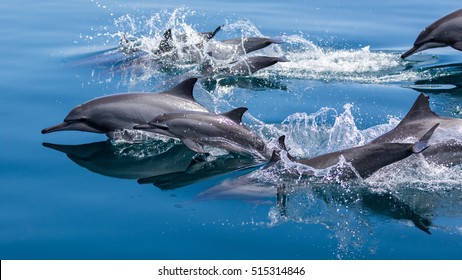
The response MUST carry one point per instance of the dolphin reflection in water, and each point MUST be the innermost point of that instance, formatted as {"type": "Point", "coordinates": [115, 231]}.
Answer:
{"type": "Point", "coordinates": [166, 165]}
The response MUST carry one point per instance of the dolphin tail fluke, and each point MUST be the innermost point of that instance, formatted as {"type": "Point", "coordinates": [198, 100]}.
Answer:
{"type": "Point", "coordinates": [409, 52]}
{"type": "Point", "coordinates": [216, 31]}
{"type": "Point", "coordinates": [58, 127]}
{"type": "Point", "coordinates": [210, 35]}
{"type": "Point", "coordinates": [422, 144]}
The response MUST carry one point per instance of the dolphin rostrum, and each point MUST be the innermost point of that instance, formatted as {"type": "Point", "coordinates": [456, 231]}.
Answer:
{"type": "Point", "coordinates": [447, 31]}
{"type": "Point", "coordinates": [123, 111]}
{"type": "Point", "coordinates": [197, 129]}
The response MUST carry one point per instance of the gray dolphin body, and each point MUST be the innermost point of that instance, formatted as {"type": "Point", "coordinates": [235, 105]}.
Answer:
{"type": "Point", "coordinates": [222, 50]}
{"type": "Point", "coordinates": [447, 31]}
{"type": "Point", "coordinates": [247, 66]}
{"type": "Point", "coordinates": [197, 129]}
{"type": "Point", "coordinates": [123, 111]}
{"type": "Point", "coordinates": [365, 159]}
{"type": "Point", "coordinates": [369, 158]}
{"type": "Point", "coordinates": [232, 48]}
{"type": "Point", "coordinates": [420, 118]}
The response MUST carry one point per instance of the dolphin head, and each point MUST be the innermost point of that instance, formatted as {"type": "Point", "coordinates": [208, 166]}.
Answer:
{"type": "Point", "coordinates": [443, 32]}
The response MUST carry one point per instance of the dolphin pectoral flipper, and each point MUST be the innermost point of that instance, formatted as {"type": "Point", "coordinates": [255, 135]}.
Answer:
{"type": "Point", "coordinates": [193, 146]}
{"type": "Point", "coordinates": [422, 144]}
{"type": "Point", "coordinates": [457, 45]}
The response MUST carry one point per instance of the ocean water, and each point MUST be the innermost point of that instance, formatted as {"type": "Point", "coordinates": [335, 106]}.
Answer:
{"type": "Point", "coordinates": [76, 195]}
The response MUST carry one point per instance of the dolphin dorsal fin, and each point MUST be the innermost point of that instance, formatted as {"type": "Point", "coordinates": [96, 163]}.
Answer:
{"type": "Point", "coordinates": [420, 109]}
{"type": "Point", "coordinates": [184, 89]}
{"type": "Point", "coordinates": [282, 143]}
{"type": "Point", "coordinates": [275, 158]}
{"type": "Point", "coordinates": [236, 114]}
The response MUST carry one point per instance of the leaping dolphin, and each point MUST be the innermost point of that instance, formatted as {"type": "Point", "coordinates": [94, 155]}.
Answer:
{"type": "Point", "coordinates": [447, 31]}
{"type": "Point", "coordinates": [123, 111]}
{"type": "Point", "coordinates": [365, 159]}
{"type": "Point", "coordinates": [198, 129]}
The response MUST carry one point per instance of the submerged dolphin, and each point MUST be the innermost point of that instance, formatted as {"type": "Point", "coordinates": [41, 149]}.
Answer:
{"type": "Point", "coordinates": [420, 118]}
{"type": "Point", "coordinates": [197, 129]}
{"type": "Point", "coordinates": [365, 159]}
{"type": "Point", "coordinates": [447, 31]}
{"type": "Point", "coordinates": [198, 171]}
{"type": "Point", "coordinates": [123, 111]}
{"type": "Point", "coordinates": [246, 67]}
{"type": "Point", "coordinates": [232, 48]}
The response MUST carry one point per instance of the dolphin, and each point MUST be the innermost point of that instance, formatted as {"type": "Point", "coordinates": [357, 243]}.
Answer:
{"type": "Point", "coordinates": [245, 67]}
{"type": "Point", "coordinates": [364, 160]}
{"type": "Point", "coordinates": [198, 129]}
{"type": "Point", "coordinates": [229, 49]}
{"type": "Point", "coordinates": [232, 48]}
{"type": "Point", "coordinates": [448, 148]}
{"type": "Point", "coordinates": [447, 31]}
{"type": "Point", "coordinates": [266, 181]}
{"type": "Point", "coordinates": [122, 111]}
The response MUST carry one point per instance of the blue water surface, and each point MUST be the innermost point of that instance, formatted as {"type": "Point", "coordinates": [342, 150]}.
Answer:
{"type": "Point", "coordinates": [344, 85]}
